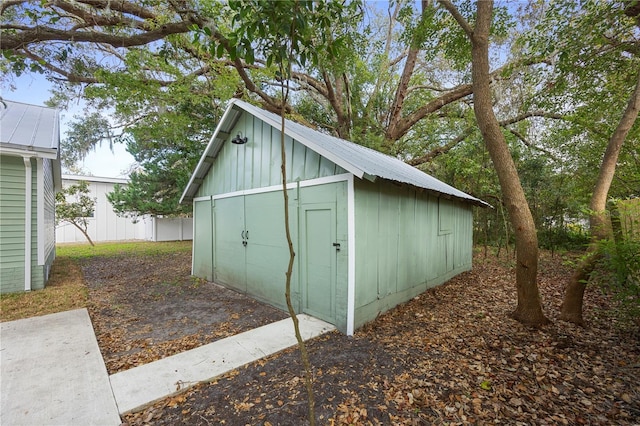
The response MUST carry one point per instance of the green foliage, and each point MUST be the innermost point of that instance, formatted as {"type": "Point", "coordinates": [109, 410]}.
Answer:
{"type": "Point", "coordinates": [164, 99]}
{"type": "Point", "coordinates": [164, 126]}
{"type": "Point", "coordinates": [619, 272]}
{"type": "Point", "coordinates": [74, 203]}
{"type": "Point", "coordinates": [152, 191]}
{"type": "Point", "coordinates": [84, 134]}
{"type": "Point", "coordinates": [290, 32]}
{"type": "Point", "coordinates": [75, 206]}
{"type": "Point", "coordinates": [563, 237]}
{"type": "Point", "coordinates": [593, 50]}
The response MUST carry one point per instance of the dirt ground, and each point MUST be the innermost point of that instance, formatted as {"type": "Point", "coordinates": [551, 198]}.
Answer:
{"type": "Point", "coordinates": [449, 356]}
{"type": "Point", "coordinates": [149, 307]}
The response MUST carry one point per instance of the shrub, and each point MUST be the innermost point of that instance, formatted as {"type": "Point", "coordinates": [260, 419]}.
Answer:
{"type": "Point", "coordinates": [620, 273]}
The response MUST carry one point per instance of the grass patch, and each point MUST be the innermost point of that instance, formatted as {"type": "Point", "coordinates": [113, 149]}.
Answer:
{"type": "Point", "coordinates": [145, 248]}
{"type": "Point", "coordinates": [66, 290]}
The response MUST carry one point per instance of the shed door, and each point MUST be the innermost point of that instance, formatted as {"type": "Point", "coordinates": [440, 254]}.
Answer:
{"type": "Point", "coordinates": [318, 260]}
{"type": "Point", "coordinates": [230, 256]}
{"type": "Point", "coordinates": [267, 250]}
{"type": "Point", "coordinates": [202, 240]}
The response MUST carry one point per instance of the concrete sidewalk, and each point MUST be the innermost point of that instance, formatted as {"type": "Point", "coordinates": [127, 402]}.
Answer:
{"type": "Point", "coordinates": [52, 373]}
{"type": "Point", "coordinates": [143, 385]}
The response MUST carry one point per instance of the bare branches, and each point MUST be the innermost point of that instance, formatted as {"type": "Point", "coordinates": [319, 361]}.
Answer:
{"type": "Point", "coordinates": [405, 123]}
{"type": "Point", "coordinates": [443, 149]}
{"type": "Point", "coordinates": [525, 141]}
{"type": "Point", "coordinates": [426, 158]}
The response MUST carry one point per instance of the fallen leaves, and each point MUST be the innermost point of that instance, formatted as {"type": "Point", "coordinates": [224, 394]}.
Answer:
{"type": "Point", "coordinates": [452, 355]}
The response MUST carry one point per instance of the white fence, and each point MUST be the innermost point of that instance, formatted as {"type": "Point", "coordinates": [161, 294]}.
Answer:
{"type": "Point", "coordinates": [169, 229]}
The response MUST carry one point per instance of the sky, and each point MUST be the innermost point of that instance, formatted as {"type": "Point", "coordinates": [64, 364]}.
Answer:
{"type": "Point", "coordinates": [35, 89]}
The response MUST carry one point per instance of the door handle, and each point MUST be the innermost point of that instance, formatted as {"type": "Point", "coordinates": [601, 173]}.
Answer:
{"type": "Point", "coordinates": [246, 235]}
{"type": "Point", "coordinates": [337, 246]}
{"type": "Point", "coordinates": [242, 235]}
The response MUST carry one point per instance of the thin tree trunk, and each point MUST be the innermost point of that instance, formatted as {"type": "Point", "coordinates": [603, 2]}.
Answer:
{"type": "Point", "coordinates": [304, 355]}
{"type": "Point", "coordinates": [599, 222]}
{"type": "Point", "coordinates": [292, 313]}
{"type": "Point", "coordinates": [84, 232]}
{"type": "Point", "coordinates": [529, 307]}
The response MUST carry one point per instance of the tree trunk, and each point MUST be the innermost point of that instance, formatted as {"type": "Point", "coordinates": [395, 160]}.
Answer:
{"type": "Point", "coordinates": [405, 78]}
{"type": "Point", "coordinates": [599, 222]}
{"type": "Point", "coordinates": [529, 307]}
{"type": "Point", "coordinates": [84, 232]}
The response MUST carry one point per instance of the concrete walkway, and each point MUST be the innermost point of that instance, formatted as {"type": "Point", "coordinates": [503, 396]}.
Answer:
{"type": "Point", "coordinates": [140, 386]}
{"type": "Point", "coordinates": [52, 372]}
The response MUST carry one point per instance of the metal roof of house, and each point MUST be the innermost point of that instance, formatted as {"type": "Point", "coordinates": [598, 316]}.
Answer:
{"type": "Point", "coordinates": [31, 128]}
{"type": "Point", "coordinates": [363, 162]}
{"type": "Point", "coordinates": [31, 131]}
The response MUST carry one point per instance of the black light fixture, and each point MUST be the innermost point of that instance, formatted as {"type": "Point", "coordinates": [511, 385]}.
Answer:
{"type": "Point", "coordinates": [239, 139]}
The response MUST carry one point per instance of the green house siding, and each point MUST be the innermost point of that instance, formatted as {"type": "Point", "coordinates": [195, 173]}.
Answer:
{"type": "Point", "coordinates": [37, 272]}
{"type": "Point", "coordinates": [406, 242]}
{"type": "Point", "coordinates": [12, 224]}
{"type": "Point", "coordinates": [256, 164]}
{"type": "Point", "coordinates": [250, 246]}
{"type": "Point", "coordinates": [227, 216]}
{"type": "Point", "coordinates": [12, 188]}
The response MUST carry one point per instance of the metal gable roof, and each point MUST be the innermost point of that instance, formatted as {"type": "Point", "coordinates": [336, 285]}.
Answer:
{"type": "Point", "coordinates": [361, 161]}
{"type": "Point", "coordinates": [29, 128]}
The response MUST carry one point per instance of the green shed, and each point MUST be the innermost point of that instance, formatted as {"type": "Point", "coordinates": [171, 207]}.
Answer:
{"type": "Point", "coordinates": [29, 178]}
{"type": "Point", "coordinates": [369, 231]}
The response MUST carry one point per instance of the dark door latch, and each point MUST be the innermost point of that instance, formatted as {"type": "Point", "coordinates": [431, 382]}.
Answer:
{"type": "Point", "coordinates": [337, 246]}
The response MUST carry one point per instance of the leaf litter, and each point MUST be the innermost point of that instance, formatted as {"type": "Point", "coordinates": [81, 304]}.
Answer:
{"type": "Point", "coordinates": [450, 356]}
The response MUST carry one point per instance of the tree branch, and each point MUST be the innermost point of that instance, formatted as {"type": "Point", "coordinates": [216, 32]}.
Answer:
{"type": "Point", "coordinates": [441, 149]}
{"type": "Point", "coordinates": [72, 78]}
{"type": "Point", "coordinates": [38, 34]}
{"type": "Point", "coordinates": [532, 146]}
{"type": "Point", "coordinates": [431, 155]}
{"type": "Point", "coordinates": [458, 17]}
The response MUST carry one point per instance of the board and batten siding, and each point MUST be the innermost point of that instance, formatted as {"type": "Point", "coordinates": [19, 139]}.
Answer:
{"type": "Point", "coordinates": [256, 164]}
{"type": "Point", "coordinates": [258, 268]}
{"type": "Point", "coordinates": [406, 242]}
{"type": "Point", "coordinates": [12, 189]}
{"type": "Point", "coordinates": [361, 247]}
